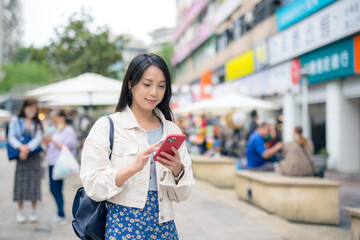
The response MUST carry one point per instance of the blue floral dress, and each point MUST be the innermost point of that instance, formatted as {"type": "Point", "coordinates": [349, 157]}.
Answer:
{"type": "Point", "coordinates": [133, 223]}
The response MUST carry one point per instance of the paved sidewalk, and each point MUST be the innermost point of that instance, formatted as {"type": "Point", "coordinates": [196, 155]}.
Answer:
{"type": "Point", "coordinates": [209, 213]}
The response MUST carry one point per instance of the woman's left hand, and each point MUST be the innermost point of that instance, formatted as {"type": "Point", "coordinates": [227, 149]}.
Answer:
{"type": "Point", "coordinates": [171, 162]}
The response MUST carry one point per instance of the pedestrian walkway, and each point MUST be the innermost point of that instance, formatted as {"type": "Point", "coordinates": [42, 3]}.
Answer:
{"type": "Point", "coordinates": [210, 213]}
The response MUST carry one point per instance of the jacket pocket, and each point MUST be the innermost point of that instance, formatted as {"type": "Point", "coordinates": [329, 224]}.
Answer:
{"type": "Point", "coordinates": [125, 150]}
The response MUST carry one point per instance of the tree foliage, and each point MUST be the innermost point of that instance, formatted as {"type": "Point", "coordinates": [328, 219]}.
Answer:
{"type": "Point", "coordinates": [166, 53]}
{"type": "Point", "coordinates": [76, 49]}
{"type": "Point", "coordinates": [22, 73]}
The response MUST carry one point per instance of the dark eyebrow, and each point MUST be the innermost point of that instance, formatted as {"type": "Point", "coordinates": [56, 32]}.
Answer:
{"type": "Point", "coordinates": [152, 80]}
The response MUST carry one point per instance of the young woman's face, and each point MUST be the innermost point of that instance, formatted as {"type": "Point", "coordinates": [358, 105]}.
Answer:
{"type": "Point", "coordinates": [30, 111]}
{"type": "Point", "coordinates": [150, 90]}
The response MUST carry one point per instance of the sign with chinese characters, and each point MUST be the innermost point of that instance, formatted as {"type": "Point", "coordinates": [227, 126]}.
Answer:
{"type": "Point", "coordinates": [330, 62]}
{"type": "Point", "coordinates": [330, 24]}
{"type": "Point", "coordinates": [240, 66]}
{"type": "Point", "coordinates": [297, 10]}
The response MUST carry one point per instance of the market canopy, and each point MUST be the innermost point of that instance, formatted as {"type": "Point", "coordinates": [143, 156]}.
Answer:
{"type": "Point", "coordinates": [226, 104]}
{"type": "Point", "coordinates": [83, 90]}
{"type": "Point", "coordinates": [4, 115]}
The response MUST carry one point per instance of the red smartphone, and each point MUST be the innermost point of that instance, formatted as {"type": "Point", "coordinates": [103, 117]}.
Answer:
{"type": "Point", "coordinates": [172, 140]}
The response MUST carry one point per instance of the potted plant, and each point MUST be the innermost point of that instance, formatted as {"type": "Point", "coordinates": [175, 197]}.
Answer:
{"type": "Point", "coordinates": [320, 159]}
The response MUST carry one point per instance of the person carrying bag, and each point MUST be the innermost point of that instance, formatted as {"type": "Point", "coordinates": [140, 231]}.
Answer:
{"type": "Point", "coordinates": [89, 215]}
{"type": "Point", "coordinates": [138, 189]}
{"type": "Point", "coordinates": [24, 139]}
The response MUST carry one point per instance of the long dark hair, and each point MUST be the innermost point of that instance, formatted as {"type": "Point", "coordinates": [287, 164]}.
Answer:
{"type": "Point", "coordinates": [133, 75]}
{"type": "Point", "coordinates": [299, 131]}
{"type": "Point", "coordinates": [31, 102]}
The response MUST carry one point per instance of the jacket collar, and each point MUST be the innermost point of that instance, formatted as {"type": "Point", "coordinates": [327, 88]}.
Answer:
{"type": "Point", "coordinates": [129, 120]}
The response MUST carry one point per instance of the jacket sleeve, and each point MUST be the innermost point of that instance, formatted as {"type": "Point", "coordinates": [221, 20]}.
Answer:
{"type": "Point", "coordinates": [181, 191]}
{"type": "Point", "coordinates": [96, 171]}
{"type": "Point", "coordinates": [36, 141]}
{"type": "Point", "coordinates": [14, 142]}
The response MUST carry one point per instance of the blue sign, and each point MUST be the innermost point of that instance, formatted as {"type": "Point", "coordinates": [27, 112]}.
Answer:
{"type": "Point", "coordinates": [297, 10]}
{"type": "Point", "coordinates": [330, 62]}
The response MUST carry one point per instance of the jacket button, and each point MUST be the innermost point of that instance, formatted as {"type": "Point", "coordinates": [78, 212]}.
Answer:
{"type": "Point", "coordinates": [162, 217]}
{"type": "Point", "coordinates": [150, 177]}
{"type": "Point", "coordinates": [161, 199]}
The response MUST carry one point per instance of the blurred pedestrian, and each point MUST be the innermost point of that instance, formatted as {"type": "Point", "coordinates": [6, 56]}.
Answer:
{"type": "Point", "coordinates": [27, 186]}
{"type": "Point", "coordinates": [139, 189]}
{"type": "Point", "coordinates": [253, 124]}
{"type": "Point", "coordinates": [64, 135]}
{"type": "Point", "coordinates": [257, 153]}
{"type": "Point", "coordinates": [298, 156]}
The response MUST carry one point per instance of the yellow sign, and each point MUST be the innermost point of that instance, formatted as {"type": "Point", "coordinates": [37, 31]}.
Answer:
{"type": "Point", "coordinates": [240, 66]}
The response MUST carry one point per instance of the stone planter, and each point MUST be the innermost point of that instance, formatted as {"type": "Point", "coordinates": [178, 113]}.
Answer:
{"type": "Point", "coordinates": [217, 171]}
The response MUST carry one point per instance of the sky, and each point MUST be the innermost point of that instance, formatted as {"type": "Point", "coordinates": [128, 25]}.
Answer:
{"type": "Point", "coordinates": [136, 17]}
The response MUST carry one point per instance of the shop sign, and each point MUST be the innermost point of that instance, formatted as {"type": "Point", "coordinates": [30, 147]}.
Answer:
{"type": "Point", "coordinates": [330, 24]}
{"type": "Point", "coordinates": [330, 62]}
{"type": "Point", "coordinates": [357, 54]}
{"type": "Point", "coordinates": [261, 55]}
{"type": "Point", "coordinates": [280, 78]}
{"type": "Point", "coordinates": [240, 66]}
{"type": "Point", "coordinates": [206, 85]}
{"type": "Point", "coordinates": [296, 71]}
{"type": "Point", "coordinates": [297, 10]}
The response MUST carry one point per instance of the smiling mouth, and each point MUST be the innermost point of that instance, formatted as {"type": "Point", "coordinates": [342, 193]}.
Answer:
{"type": "Point", "coordinates": [150, 101]}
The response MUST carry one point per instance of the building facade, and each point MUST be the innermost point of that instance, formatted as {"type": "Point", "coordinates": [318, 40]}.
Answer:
{"type": "Point", "coordinates": [10, 29]}
{"type": "Point", "coordinates": [160, 37]}
{"type": "Point", "coordinates": [267, 49]}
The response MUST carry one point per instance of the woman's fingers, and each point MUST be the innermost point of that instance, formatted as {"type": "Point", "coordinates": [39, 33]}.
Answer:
{"type": "Point", "coordinates": [146, 157]}
{"type": "Point", "coordinates": [176, 152]}
{"type": "Point", "coordinates": [166, 163]}
{"type": "Point", "coordinates": [168, 156]}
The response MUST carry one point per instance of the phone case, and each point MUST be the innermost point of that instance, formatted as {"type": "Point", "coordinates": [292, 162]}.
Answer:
{"type": "Point", "coordinates": [172, 140]}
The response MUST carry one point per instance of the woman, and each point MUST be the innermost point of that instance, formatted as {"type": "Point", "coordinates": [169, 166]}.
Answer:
{"type": "Point", "coordinates": [298, 156]}
{"type": "Point", "coordinates": [139, 189]}
{"type": "Point", "coordinates": [64, 136]}
{"type": "Point", "coordinates": [27, 185]}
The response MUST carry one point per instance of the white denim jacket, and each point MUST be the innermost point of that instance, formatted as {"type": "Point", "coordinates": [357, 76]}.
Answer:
{"type": "Point", "coordinates": [98, 173]}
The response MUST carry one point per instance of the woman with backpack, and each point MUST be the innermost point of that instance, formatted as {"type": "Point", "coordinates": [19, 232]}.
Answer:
{"type": "Point", "coordinates": [140, 190]}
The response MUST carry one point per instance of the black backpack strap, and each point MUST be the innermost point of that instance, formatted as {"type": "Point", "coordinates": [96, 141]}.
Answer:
{"type": "Point", "coordinates": [111, 136]}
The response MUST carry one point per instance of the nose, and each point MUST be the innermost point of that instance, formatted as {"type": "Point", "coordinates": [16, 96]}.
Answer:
{"type": "Point", "coordinates": [153, 91]}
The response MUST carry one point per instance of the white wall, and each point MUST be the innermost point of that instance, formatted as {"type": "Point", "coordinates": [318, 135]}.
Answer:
{"type": "Point", "coordinates": [342, 129]}
{"type": "Point", "coordinates": [292, 116]}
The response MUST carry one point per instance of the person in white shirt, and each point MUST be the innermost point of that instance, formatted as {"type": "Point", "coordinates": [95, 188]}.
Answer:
{"type": "Point", "coordinates": [140, 190]}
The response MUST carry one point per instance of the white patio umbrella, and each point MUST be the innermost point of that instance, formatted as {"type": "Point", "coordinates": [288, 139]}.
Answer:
{"type": "Point", "coordinates": [4, 115]}
{"type": "Point", "coordinates": [83, 90]}
{"type": "Point", "coordinates": [223, 105]}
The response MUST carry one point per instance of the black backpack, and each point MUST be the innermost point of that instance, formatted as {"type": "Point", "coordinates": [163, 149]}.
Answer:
{"type": "Point", "coordinates": [89, 215]}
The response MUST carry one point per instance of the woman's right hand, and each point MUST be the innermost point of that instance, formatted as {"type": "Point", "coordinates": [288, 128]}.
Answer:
{"type": "Point", "coordinates": [143, 157]}
{"type": "Point", "coordinates": [24, 148]}
{"type": "Point", "coordinates": [24, 152]}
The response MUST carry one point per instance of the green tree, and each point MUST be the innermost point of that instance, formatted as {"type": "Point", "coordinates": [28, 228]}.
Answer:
{"type": "Point", "coordinates": [75, 50]}
{"type": "Point", "coordinates": [166, 52]}
{"type": "Point", "coordinates": [78, 50]}
{"type": "Point", "coordinates": [21, 73]}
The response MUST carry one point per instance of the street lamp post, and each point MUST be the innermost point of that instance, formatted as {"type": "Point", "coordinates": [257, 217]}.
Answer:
{"type": "Point", "coordinates": [305, 111]}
